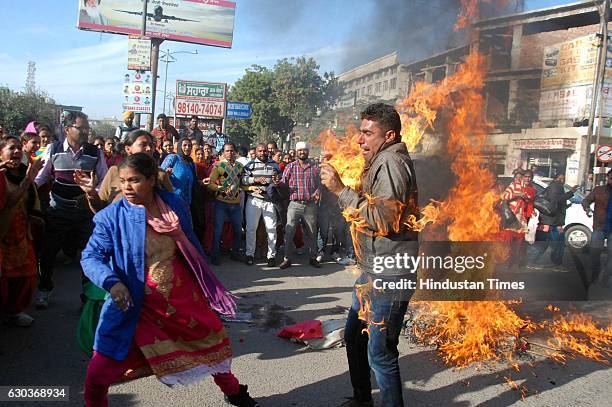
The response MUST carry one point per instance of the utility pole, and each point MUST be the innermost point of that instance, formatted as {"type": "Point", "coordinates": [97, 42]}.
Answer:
{"type": "Point", "coordinates": [602, 77]}
{"type": "Point", "coordinates": [154, 65]}
{"type": "Point", "coordinates": [143, 32]}
{"type": "Point", "coordinates": [597, 94]}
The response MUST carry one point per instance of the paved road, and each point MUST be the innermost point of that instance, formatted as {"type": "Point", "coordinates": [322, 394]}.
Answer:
{"type": "Point", "coordinates": [280, 373]}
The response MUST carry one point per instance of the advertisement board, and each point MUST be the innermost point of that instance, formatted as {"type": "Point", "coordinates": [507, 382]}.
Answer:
{"type": "Point", "coordinates": [139, 53]}
{"type": "Point", "coordinates": [205, 99]}
{"type": "Point", "coordinates": [238, 110]}
{"type": "Point", "coordinates": [137, 92]}
{"type": "Point", "coordinates": [207, 22]}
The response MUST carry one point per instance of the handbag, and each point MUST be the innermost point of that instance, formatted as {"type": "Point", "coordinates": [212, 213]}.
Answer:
{"type": "Point", "coordinates": [508, 218]}
{"type": "Point", "coordinates": [544, 205]}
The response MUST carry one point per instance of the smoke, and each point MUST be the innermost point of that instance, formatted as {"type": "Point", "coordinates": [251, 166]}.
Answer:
{"type": "Point", "coordinates": [415, 28]}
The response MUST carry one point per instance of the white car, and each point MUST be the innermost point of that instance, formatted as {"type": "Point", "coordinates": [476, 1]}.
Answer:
{"type": "Point", "coordinates": [578, 226]}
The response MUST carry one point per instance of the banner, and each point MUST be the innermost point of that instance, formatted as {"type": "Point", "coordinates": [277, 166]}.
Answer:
{"type": "Point", "coordinates": [206, 22]}
{"type": "Point", "coordinates": [205, 99]}
{"type": "Point", "coordinates": [139, 53]}
{"type": "Point", "coordinates": [137, 92]}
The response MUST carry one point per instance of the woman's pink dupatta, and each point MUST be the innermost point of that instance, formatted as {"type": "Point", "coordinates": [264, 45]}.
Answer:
{"type": "Point", "coordinates": [219, 298]}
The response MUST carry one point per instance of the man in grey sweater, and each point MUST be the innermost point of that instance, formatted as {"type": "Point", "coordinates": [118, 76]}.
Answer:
{"type": "Point", "coordinates": [387, 197]}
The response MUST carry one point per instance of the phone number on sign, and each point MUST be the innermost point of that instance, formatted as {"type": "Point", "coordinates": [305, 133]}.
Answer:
{"type": "Point", "coordinates": [205, 109]}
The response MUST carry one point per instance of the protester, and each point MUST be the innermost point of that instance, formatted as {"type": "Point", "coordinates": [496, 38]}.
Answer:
{"type": "Point", "coordinates": [389, 176]}
{"type": "Point", "coordinates": [147, 319]}
{"type": "Point", "coordinates": [520, 195]}
{"type": "Point", "coordinates": [292, 154]}
{"type": "Point", "coordinates": [329, 216]}
{"type": "Point", "coordinates": [217, 140]}
{"type": "Point", "coordinates": [204, 166]}
{"type": "Point", "coordinates": [193, 131]}
{"type": "Point", "coordinates": [30, 144]}
{"type": "Point", "coordinates": [181, 169]}
{"type": "Point", "coordinates": [19, 209]}
{"type": "Point", "coordinates": [302, 179]}
{"type": "Point", "coordinates": [128, 126]}
{"type": "Point", "coordinates": [167, 149]}
{"type": "Point", "coordinates": [225, 182]}
{"type": "Point", "coordinates": [602, 227]}
{"type": "Point", "coordinates": [550, 228]}
{"type": "Point", "coordinates": [68, 218]}
{"type": "Point", "coordinates": [252, 154]}
{"type": "Point", "coordinates": [272, 147]}
{"type": "Point", "coordinates": [164, 132]}
{"type": "Point", "coordinates": [98, 141]}
{"type": "Point", "coordinates": [46, 138]}
{"type": "Point", "coordinates": [260, 175]}
{"type": "Point", "coordinates": [243, 155]}
{"type": "Point", "coordinates": [111, 156]}
{"type": "Point", "coordinates": [277, 156]}
{"type": "Point", "coordinates": [138, 141]}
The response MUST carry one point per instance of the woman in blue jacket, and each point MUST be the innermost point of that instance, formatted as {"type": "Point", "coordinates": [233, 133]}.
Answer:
{"type": "Point", "coordinates": [160, 316]}
{"type": "Point", "coordinates": [182, 170]}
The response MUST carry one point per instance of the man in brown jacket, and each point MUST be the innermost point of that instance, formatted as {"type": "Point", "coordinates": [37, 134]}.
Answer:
{"type": "Point", "coordinates": [388, 195]}
{"type": "Point", "coordinates": [602, 226]}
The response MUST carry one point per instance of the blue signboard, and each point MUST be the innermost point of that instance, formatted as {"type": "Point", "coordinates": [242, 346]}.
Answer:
{"type": "Point", "coordinates": [238, 110]}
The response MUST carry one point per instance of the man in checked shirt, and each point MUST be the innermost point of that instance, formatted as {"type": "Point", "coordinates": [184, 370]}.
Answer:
{"type": "Point", "coordinates": [302, 176]}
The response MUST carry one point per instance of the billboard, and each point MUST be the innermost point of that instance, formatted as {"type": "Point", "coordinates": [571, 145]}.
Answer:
{"type": "Point", "coordinates": [568, 72]}
{"type": "Point", "coordinates": [205, 99]}
{"type": "Point", "coordinates": [137, 92]}
{"type": "Point", "coordinates": [206, 22]}
{"type": "Point", "coordinates": [139, 53]}
{"type": "Point", "coordinates": [238, 110]}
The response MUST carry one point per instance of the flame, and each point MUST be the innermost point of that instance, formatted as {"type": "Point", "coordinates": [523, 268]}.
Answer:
{"type": "Point", "coordinates": [578, 334]}
{"type": "Point", "coordinates": [469, 331]}
{"type": "Point", "coordinates": [344, 154]}
{"type": "Point", "coordinates": [365, 307]}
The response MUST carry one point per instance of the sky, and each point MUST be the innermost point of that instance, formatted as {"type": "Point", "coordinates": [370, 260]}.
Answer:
{"type": "Point", "coordinates": [86, 69]}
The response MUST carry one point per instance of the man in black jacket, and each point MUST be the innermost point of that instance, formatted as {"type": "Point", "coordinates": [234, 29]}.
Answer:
{"type": "Point", "coordinates": [550, 228]}
{"type": "Point", "coordinates": [382, 234]}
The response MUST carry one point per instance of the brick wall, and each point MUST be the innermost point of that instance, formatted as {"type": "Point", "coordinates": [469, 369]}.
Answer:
{"type": "Point", "coordinates": [532, 46]}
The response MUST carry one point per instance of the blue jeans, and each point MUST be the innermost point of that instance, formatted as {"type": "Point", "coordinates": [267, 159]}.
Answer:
{"type": "Point", "coordinates": [378, 351]}
{"type": "Point", "coordinates": [553, 238]}
{"type": "Point", "coordinates": [597, 247]}
{"type": "Point", "coordinates": [227, 212]}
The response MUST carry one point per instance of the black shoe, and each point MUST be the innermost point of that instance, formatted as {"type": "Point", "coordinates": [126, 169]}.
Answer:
{"type": "Point", "coordinates": [250, 260]}
{"type": "Point", "coordinates": [286, 263]}
{"type": "Point", "coordinates": [242, 399]}
{"type": "Point", "coordinates": [314, 263]}
{"type": "Point", "coordinates": [216, 261]}
{"type": "Point", "coordinates": [353, 402]}
{"type": "Point", "coordinates": [271, 262]}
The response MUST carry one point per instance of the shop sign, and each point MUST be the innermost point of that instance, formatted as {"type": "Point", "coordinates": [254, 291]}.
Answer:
{"type": "Point", "coordinates": [546, 144]}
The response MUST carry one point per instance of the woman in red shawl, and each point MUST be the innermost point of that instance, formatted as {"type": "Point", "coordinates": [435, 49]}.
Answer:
{"type": "Point", "coordinates": [520, 195]}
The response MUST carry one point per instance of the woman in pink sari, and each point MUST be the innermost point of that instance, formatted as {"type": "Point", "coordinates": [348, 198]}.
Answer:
{"type": "Point", "coordinates": [160, 316]}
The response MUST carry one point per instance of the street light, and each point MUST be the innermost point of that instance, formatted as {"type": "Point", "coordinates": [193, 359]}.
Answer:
{"type": "Point", "coordinates": [168, 58]}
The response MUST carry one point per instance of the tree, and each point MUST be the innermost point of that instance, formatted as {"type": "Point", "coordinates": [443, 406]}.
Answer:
{"type": "Point", "coordinates": [17, 109]}
{"type": "Point", "coordinates": [103, 129]}
{"type": "Point", "coordinates": [291, 93]}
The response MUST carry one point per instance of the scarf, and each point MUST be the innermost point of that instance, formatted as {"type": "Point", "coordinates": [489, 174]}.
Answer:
{"type": "Point", "coordinates": [219, 298]}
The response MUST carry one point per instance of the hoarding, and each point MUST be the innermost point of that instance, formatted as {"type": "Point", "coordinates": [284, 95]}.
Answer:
{"type": "Point", "coordinates": [139, 53]}
{"type": "Point", "coordinates": [238, 110]}
{"type": "Point", "coordinates": [568, 72]}
{"type": "Point", "coordinates": [207, 22]}
{"type": "Point", "coordinates": [205, 99]}
{"type": "Point", "coordinates": [137, 92]}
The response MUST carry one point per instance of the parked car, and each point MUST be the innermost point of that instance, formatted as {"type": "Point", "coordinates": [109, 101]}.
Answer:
{"type": "Point", "coordinates": [578, 226]}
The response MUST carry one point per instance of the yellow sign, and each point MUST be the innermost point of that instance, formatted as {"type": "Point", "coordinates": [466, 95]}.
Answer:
{"type": "Point", "coordinates": [570, 63]}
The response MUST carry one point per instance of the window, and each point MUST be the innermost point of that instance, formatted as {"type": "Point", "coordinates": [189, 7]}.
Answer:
{"type": "Point", "coordinates": [363, 91]}
{"type": "Point", "coordinates": [369, 90]}
{"type": "Point", "coordinates": [393, 70]}
{"type": "Point", "coordinates": [385, 72]}
{"type": "Point", "coordinates": [377, 75]}
{"type": "Point", "coordinates": [378, 87]}
{"type": "Point", "coordinates": [385, 86]}
{"type": "Point", "coordinates": [393, 83]}
{"type": "Point", "coordinates": [357, 93]}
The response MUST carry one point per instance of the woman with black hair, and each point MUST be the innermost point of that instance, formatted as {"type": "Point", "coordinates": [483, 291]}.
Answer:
{"type": "Point", "coordinates": [181, 168]}
{"type": "Point", "coordinates": [18, 260]}
{"type": "Point", "coordinates": [138, 141]}
{"type": "Point", "coordinates": [161, 315]}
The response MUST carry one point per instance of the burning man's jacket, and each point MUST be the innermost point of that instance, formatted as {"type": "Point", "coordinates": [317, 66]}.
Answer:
{"type": "Point", "coordinates": [387, 197]}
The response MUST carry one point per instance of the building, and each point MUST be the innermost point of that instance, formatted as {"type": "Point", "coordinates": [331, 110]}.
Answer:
{"type": "Point", "coordinates": [383, 79]}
